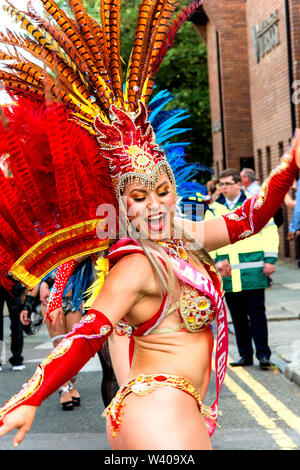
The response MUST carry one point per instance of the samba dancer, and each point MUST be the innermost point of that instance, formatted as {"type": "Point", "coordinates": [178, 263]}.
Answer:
{"type": "Point", "coordinates": [161, 280]}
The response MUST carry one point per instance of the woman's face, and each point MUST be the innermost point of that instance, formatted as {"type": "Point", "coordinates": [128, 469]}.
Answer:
{"type": "Point", "coordinates": [151, 211]}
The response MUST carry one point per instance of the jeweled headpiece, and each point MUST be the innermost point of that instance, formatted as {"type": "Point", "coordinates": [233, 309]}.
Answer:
{"type": "Point", "coordinates": [129, 146]}
{"type": "Point", "coordinates": [74, 134]}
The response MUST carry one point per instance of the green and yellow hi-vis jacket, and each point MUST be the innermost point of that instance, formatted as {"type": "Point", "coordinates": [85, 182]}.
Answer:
{"type": "Point", "coordinates": [246, 257]}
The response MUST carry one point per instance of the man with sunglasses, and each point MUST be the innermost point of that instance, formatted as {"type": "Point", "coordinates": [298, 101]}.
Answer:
{"type": "Point", "coordinates": [245, 267]}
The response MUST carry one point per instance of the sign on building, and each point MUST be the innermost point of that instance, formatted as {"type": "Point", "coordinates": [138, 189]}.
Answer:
{"type": "Point", "coordinates": [266, 36]}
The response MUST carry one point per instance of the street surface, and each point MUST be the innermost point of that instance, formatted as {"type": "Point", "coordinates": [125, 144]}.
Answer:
{"type": "Point", "coordinates": [260, 409]}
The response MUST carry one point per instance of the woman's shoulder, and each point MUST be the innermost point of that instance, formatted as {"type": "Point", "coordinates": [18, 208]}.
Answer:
{"type": "Point", "coordinates": [124, 247]}
{"type": "Point", "coordinates": [128, 257]}
{"type": "Point", "coordinates": [132, 273]}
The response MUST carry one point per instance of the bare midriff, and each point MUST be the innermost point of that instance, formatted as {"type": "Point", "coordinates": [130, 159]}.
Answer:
{"type": "Point", "coordinates": [182, 353]}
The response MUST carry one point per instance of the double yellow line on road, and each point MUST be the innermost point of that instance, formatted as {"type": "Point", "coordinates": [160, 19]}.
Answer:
{"type": "Point", "coordinates": [283, 413]}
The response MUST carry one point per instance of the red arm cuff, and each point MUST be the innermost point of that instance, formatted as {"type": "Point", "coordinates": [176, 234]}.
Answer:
{"type": "Point", "coordinates": [63, 274]}
{"type": "Point", "coordinates": [65, 361]}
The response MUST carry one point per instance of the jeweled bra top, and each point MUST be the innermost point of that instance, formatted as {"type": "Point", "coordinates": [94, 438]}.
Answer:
{"type": "Point", "coordinates": [194, 308]}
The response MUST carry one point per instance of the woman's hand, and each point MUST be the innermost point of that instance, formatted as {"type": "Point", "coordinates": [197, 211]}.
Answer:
{"type": "Point", "coordinates": [21, 418]}
{"type": "Point", "coordinates": [54, 317]}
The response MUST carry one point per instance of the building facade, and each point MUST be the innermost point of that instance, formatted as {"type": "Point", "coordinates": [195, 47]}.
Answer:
{"type": "Point", "coordinates": [253, 53]}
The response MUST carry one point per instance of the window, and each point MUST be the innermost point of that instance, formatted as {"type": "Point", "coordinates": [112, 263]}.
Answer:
{"type": "Point", "coordinates": [280, 149]}
{"type": "Point", "coordinates": [218, 169]}
{"type": "Point", "coordinates": [259, 165]}
{"type": "Point", "coordinates": [268, 159]}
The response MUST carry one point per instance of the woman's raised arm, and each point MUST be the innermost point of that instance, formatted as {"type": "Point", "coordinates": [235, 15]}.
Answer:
{"type": "Point", "coordinates": [255, 213]}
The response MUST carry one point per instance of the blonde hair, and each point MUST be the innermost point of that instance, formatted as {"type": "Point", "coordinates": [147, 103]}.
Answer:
{"type": "Point", "coordinates": [161, 262]}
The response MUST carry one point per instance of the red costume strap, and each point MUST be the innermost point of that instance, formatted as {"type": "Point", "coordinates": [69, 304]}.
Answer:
{"type": "Point", "coordinates": [255, 213]}
{"type": "Point", "coordinates": [189, 275]}
{"type": "Point", "coordinates": [63, 274]}
{"type": "Point", "coordinates": [64, 362]}
{"type": "Point", "coordinates": [153, 323]}
{"type": "Point", "coordinates": [125, 246]}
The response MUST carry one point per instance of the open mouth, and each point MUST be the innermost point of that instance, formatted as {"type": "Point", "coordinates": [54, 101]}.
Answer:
{"type": "Point", "coordinates": [157, 222]}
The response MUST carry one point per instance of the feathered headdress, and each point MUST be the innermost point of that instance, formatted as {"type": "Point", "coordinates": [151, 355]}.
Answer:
{"type": "Point", "coordinates": [75, 132]}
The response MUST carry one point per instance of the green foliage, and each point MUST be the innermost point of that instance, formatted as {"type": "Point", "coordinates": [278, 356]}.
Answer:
{"type": "Point", "coordinates": [183, 72]}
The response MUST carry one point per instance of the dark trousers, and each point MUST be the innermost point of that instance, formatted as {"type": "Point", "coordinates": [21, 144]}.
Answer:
{"type": "Point", "coordinates": [109, 385]}
{"type": "Point", "coordinates": [248, 313]}
{"type": "Point", "coordinates": [14, 305]}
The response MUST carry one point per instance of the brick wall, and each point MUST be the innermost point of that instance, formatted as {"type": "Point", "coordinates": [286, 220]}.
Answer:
{"type": "Point", "coordinates": [295, 40]}
{"type": "Point", "coordinates": [228, 20]}
{"type": "Point", "coordinates": [256, 96]}
{"type": "Point", "coordinates": [270, 99]}
{"type": "Point", "coordinates": [269, 88]}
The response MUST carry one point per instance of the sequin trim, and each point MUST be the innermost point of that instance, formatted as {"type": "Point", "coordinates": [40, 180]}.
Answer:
{"type": "Point", "coordinates": [31, 387]}
{"type": "Point", "coordinates": [145, 384]}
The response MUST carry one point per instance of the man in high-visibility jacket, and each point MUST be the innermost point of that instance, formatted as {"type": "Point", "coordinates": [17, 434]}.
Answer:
{"type": "Point", "coordinates": [245, 267]}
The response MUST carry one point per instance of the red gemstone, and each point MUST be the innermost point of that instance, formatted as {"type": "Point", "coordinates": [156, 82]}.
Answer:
{"type": "Point", "coordinates": [160, 378]}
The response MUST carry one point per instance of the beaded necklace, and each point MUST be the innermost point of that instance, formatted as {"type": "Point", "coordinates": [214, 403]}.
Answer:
{"type": "Point", "coordinates": [174, 248]}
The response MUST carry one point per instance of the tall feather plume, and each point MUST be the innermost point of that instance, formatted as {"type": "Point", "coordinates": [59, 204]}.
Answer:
{"type": "Point", "coordinates": [110, 42]}
{"type": "Point", "coordinates": [173, 29]}
{"type": "Point", "coordinates": [85, 57]}
{"type": "Point", "coordinates": [60, 37]}
{"type": "Point", "coordinates": [70, 58]}
{"type": "Point", "coordinates": [99, 39]}
{"type": "Point", "coordinates": [41, 36]}
{"type": "Point", "coordinates": [56, 64]}
{"type": "Point", "coordinates": [105, 15]}
{"type": "Point", "coordinates": [146, 14]}
{"type": "Point", "coordinates": [101, 88]}
{"type": "Point", "coordinates": [82, 19]}
{"type": "Point", "coordinates": [42, 54]}
{"type": "Point", "coordinates": [155, 34]}
{"type": "Point", "coordinates": [160, 27]}
{"type": "Point", "coordinates": [115, 67]}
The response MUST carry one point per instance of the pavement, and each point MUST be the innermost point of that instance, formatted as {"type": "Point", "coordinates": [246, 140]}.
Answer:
{"type": "Point", "coordinates": [283, 314]}
{"type": "Point", "coordinates": [83, 428]}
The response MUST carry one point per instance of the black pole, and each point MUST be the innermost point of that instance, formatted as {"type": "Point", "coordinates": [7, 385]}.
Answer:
{"type": "Point", "coordinates": [221, 100]}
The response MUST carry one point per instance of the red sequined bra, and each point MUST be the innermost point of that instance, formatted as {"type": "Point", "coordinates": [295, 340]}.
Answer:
{"type": "Point", "coordinates": [195, 309]}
